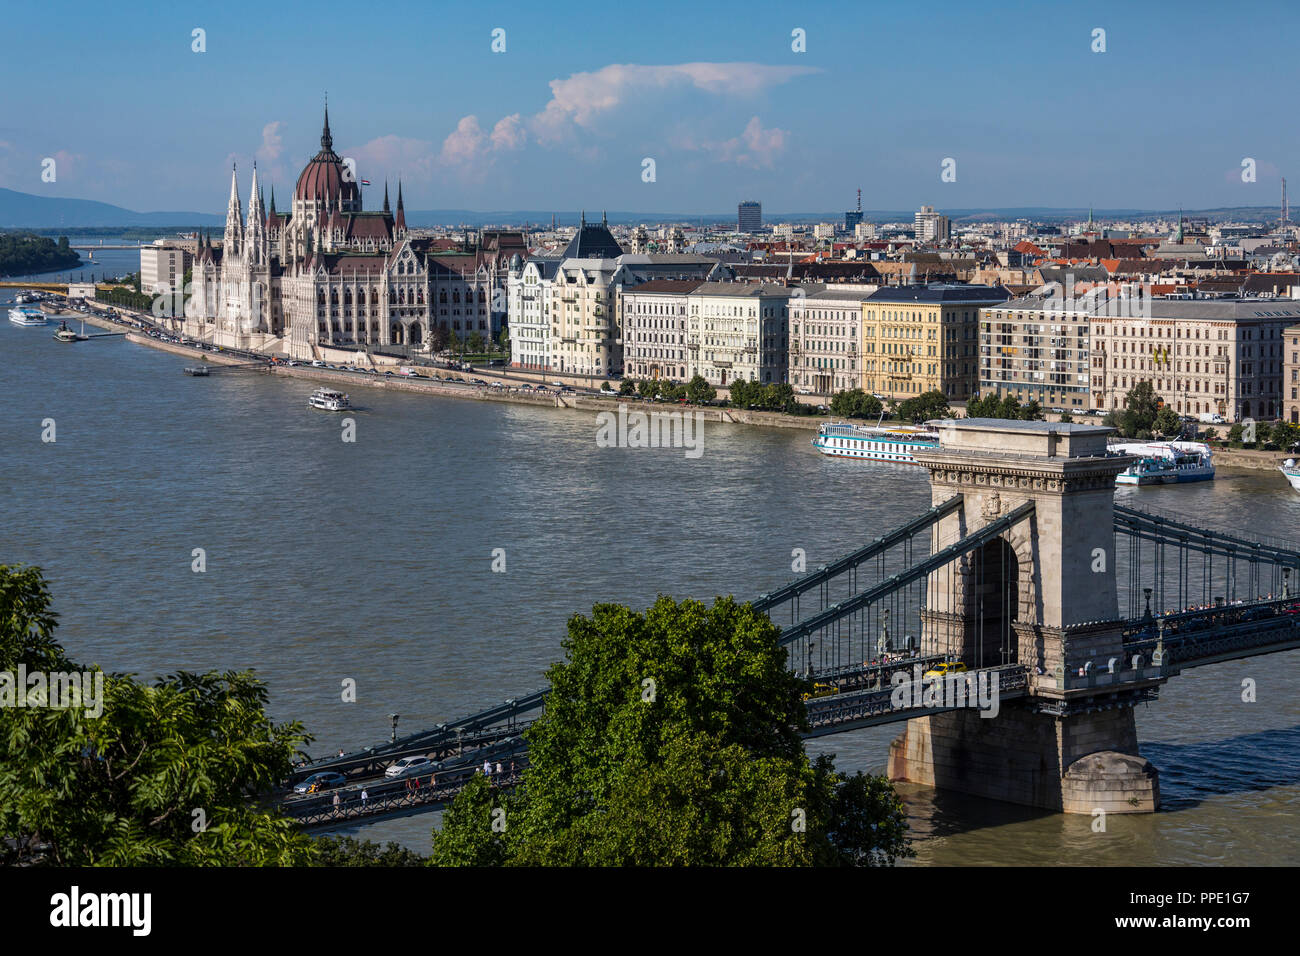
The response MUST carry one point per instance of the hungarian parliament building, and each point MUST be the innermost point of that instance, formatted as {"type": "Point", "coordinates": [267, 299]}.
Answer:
{"type": "Point", "coordinates": [328, 273]}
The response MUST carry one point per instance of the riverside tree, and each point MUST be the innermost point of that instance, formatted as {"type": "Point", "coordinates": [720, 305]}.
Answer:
{"type": "Point", "coordinates": [672, 738]}
{"type": "Point", "coordinates": [855, 403]}
{"type": "Point", "coordinates": [173, 772]}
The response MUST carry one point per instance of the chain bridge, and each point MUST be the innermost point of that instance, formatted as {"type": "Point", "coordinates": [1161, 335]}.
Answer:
{"type": "Point", "coordinates": [1009, 587]}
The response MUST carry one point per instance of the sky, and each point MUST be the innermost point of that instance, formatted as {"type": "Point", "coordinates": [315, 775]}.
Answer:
{"type": "Point", "coordinates": [715, 95]}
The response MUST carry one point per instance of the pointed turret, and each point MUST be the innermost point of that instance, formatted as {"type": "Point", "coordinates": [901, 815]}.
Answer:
{"type": "Point", "coordinates": [326, 140]}
{"type": "Point", "coordinates": [255, 233]}
{"type": "Point", "coordinates": [386, 209]}
{"type": "Point", "coordinates": [234, 217]}
{"type": "Point", "coordinates": [400, 223]}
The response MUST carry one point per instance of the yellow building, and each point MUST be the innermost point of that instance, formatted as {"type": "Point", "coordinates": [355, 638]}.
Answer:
{"type": "Point", "coordinates": [922, 338]}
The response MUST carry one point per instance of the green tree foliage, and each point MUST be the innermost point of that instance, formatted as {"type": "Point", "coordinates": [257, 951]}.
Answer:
{"type": "Point", "coordinates": [1066, 417]}
{"type": "Point", "coordinates": [1138, 417]}
{"type": "Point", "coordinates": [776, 397]}
{"type": "Point", "coordinates": [1031, 411]}
{"type": "Point", "coordinates": [648, 387]}
{"type": "Point", "coordinates": [349, 851]}
{"type": "Point", "coordinates": [855, 403]}
{"type": "Point", "coordinates": [627, 386]}
{"type": "Point", "coordinates": [22, 253]}
{"type": "Point", "coordinates": [699, 391]}
{"type": "Point", "coordinates": [1167, 423]}
{"type": "Point", "coordinates": [932, 404]}
{"type": "Point", "coordinates": [476, 341]}
{"type": "Point", "coordinates": [672, 738]}
{"type": "Point", "coordinates": [125, 297]}
{"type": "Point", "coordinates": [439, 337]}
{"type": "Point", "coordinates": [173, 772]}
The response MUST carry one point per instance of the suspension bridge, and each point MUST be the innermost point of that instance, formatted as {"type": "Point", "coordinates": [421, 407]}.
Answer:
{"type": "Point", "coordinates": [1016, 574]}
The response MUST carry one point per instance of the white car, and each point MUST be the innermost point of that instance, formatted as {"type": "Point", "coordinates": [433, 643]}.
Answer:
{"type": "Point", "coordinates": [409, 766]}
{"type": "Point", "coordinates": [317, 363]}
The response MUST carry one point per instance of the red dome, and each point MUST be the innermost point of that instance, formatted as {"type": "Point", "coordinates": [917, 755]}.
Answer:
{"type": "Point", "coordinates": [325, 177]}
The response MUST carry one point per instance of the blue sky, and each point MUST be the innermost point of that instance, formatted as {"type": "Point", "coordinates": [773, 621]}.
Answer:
{"type": "Point", "coordinates": [712, 92]}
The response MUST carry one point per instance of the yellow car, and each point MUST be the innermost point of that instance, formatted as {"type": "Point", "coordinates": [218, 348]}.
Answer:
{"type": "Point", "coordinates": [822, 690]}
{"type": "Point", "coordinates": [948, 667]}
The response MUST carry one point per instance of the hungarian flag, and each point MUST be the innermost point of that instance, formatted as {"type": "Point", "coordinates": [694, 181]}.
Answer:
{"type": "Point", "coordinates": [365, 182]}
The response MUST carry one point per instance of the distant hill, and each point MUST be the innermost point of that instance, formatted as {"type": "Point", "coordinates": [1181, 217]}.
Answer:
{"type": "Point", "coordinates": [25, 211]}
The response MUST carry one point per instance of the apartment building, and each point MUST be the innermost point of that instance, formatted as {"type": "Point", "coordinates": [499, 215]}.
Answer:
{"type": "Point", "coordinates": [922, 338]}
{"type": "Point", "coordinates": [1291, 374]}
{"type": "Point", "coordinates": [1036, 349]}
{"type": "Point", "coordinates": [739, 331]}
{"type": "Point", "coordinates": [826, 336]}
{"type": "Point", "coordinates": [162, 268]}
{"type": "Point", "coordinates": [1221, 356]}
{"type": "Point", "coordinates": [655, 329]}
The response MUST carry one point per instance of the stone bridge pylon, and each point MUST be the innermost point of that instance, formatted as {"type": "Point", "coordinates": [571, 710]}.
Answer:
{"type": "Point", "coordinates": [1043, 595]}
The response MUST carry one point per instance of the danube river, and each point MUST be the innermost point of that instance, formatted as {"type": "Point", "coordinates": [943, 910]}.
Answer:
{"type": "Point", "coordinates": [373, 561]}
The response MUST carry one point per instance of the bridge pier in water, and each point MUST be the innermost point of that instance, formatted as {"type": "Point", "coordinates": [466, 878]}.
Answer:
{"type": "Point", "coordinates": [1041, 594]}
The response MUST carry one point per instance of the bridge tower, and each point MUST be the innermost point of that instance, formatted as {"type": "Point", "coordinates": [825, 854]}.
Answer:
{"type": "Point", "coordinates": [1043, 595]}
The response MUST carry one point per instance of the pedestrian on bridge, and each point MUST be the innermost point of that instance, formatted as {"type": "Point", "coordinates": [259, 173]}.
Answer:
{"type": "Point", "coordinates": [487, 768]}
{"type": "Point", "coordinates": [365, 796]}
{"type": "Point", "coordinates": [336, 803]}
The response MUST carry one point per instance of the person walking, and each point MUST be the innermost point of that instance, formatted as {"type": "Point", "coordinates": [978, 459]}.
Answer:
{"type": "Point", "coordinates": [336, 803]}
{"type": "Point", "coordinates": [365, 796]}
{"type": "Point", "coordinates": [487, 768]}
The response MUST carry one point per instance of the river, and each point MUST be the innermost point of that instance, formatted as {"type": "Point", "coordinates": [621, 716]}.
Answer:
{"type": "Point", "coordinates": [373, 561]}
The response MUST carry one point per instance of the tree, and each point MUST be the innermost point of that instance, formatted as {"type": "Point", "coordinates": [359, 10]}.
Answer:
{"type": "Point", "coordinates": [439, 337]}
{"type": "Point", "coordinates": [453, 341]}
{"type": "Point", "coordinates": [855, 403]}
{"type": "Point", "coordinates": [476, 341]}
{"type": "Point", "coordinates": [778, 396]}
{"type": "Point", "coordinates": [672, 738]}
{"type": "Point", "coordinates": [173, 772]}
{"type": "Point", "coordinates": [648, 387]}
{"type": "Point", "coordinates": [349, 851]}
{"type": "Point", "coordinates": [742, 393]}
{"type": "Point", "coordinates": [1140, 409]}
{"type": "Point", "coordinates": [1066, 418]}
{"type": "Point", "coordinates": [503, 340]}
{"type": "Point", "coordinates": [932, 404]}
{"type": "Point", "coordinates": [627, 386]}
{"type": "Point", "coordinates": [1008, 407]}
{"type": "Point", "coordinates": [699, 391]}
{"type": "Point", "coordinates": [1031, 411]}
{"type": "Point", "coordinates": [1167, 423]}
{"type": "Point", "coordinates": [986, 407]}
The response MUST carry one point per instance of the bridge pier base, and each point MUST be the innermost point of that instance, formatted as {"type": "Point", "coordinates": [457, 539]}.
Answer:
{"type": "Point", "coordinates": [1076, 764]}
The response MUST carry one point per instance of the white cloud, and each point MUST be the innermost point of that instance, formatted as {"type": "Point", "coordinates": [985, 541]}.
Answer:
{"type": "Point", "coordinates": [461, 147]}
{"type": "Point", "coordinates": [580, 100]}
{"type": "Point", "coordinates": [272, 143]}
{"type": "Point", "coordinates": [755, 146]}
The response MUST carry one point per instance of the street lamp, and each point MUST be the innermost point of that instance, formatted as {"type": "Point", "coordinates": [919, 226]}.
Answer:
{"type": "Point", "coordinates": [394, 718]}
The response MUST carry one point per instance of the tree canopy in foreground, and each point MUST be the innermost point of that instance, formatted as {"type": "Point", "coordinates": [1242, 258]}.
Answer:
{"type": "Point", "coordinates": [672, 738]}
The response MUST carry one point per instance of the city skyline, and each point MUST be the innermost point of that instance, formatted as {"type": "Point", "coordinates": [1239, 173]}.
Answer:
{"type": "Point", "coordinates": [725, 107]}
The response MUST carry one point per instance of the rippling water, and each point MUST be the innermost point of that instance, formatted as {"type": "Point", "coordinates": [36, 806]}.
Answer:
{"type": "Point", "coordinates": [372, 561]}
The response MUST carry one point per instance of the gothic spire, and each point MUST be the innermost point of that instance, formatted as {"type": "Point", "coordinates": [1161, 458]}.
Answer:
{"type": "Point", "coordinates": [326, 140]}
{"type": "Point", "coordinates": [386, 209]}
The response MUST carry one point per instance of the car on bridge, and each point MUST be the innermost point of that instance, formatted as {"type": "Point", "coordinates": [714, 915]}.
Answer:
{"type": "Point", "coordinates": [946, 668]}
{"type": "Point", "coordinates": [409, 766]}
{"type": "Point", "coordinates": [325, 780]}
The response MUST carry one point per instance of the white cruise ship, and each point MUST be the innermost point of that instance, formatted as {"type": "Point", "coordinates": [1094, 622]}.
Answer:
{"type": "Point", "coordinates": [895, 443]}
{"type": "Point", "coordinates": [1165, 463]}
{"type": "Point", "coordinates": [329, 400]}
{"type": "Point", "coordinates": [25, 315]}
{"type": "Point", "coordinates": [1291, 470]}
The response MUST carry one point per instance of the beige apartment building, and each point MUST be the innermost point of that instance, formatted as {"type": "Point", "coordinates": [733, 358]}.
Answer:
{"type": "Point", "coordinates": [1216, 356]}
{"type": "Point", "coordinates": [922, 338]}
{"type": "Point", "coordinates": [1291, 374]}
{"type": "Point", "coordinates": [825, 337]}
{"type": "Point", "coordinates": [739, 331]}
{"type": "Point", "coordinates": [655, 329]}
